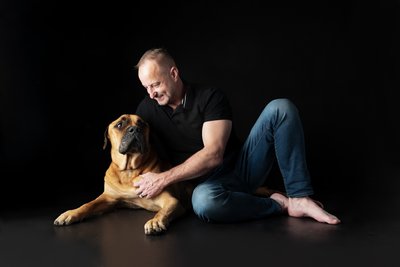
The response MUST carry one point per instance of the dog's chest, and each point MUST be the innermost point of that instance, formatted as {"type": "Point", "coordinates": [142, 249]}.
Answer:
{"type": "Point", "coordinates": [127, 177]}
{"type": "Point", "coordinates": [119, 184]}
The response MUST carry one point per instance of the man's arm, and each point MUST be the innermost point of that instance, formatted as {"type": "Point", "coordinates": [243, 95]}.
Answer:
{"type": "Point", "coordinates": [215, 135]}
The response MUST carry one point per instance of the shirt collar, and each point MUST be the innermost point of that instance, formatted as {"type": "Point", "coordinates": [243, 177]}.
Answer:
{"type": "Point", "coordinates": [189, 96]}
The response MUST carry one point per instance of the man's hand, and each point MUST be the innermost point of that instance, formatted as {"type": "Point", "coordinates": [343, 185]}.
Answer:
{"type": "Point", "coordinates": [150, 185]}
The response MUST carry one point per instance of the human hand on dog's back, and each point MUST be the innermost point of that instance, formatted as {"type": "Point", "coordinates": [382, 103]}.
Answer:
{"type": "Point", "coordinates": [150, 185]}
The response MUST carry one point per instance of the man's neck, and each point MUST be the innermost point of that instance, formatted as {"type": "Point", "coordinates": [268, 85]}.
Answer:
{"type": "Point", "coordinates": [181, 100]}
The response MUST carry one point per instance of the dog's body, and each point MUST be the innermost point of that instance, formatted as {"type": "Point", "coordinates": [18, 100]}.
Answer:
{"type": "Point", "coordinates": [132, 155]}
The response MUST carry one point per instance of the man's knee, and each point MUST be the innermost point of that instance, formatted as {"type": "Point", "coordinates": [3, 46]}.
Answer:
{"type": "Point", "coordinates": [280, 109]}
{"type": "Point", "coordinates": [281, 105]}
{"type": "Point", "coordinates": [205, 201]}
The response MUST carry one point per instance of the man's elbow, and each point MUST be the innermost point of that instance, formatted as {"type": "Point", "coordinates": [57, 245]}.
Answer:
{"type": "Point", "coordinates": [217, 159]}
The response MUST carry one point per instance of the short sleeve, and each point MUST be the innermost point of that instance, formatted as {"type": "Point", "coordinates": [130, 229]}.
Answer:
{"type": "Point", "coordinates": [216, 106]}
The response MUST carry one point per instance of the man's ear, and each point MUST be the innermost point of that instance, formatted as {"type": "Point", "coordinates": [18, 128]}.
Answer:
{"type": "Point", "coordinates": [174, 72]}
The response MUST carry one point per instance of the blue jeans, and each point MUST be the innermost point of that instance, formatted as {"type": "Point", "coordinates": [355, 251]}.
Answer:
{"type": "Point", "coordinates": [227, 194]}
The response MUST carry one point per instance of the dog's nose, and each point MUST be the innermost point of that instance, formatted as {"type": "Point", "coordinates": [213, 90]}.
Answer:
{"type": "Point", "coordinates": [133, 129]}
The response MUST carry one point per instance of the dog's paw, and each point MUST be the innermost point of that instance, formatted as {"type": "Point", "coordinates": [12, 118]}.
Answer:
{"type": "Point", "coordinates": [154, 226]}
{"type": "Point", "coordinates": [66, 218]}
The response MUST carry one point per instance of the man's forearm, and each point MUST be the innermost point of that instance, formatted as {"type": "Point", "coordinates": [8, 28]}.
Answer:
{"type": "Point", "coordinates": [197, 165]}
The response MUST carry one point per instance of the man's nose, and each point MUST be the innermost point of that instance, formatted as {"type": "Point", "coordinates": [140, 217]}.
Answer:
{"type": "Point", "coordinates": [152, 94]}
{"type": "Point", "coordinates": [150, 91]}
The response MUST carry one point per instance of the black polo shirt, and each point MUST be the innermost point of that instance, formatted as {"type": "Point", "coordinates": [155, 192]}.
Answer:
{"type": "Point", "coordinates": [179, 131]}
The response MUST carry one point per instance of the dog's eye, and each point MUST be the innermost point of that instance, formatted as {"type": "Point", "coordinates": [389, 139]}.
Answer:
{"type": "Point", "coordinates": [121, 123]}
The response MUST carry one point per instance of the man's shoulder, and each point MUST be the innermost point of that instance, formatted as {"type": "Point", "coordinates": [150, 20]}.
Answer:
{"type": "Point", "coordinates": [204, 90]}
{"type": "Point", "coordinates": [146, 107]}
{"type": "Point", "coordinates": [203, 87]}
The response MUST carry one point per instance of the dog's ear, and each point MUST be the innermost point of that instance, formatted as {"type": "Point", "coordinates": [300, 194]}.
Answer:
{"type": "Point", "coordinates": [105, 138]}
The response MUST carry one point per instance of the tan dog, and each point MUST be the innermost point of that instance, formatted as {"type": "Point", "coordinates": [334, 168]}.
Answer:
{"type": "Point", "coordinates": [132, 155]}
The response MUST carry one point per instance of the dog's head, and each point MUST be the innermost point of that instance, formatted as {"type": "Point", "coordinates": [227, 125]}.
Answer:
{"type": "Point", "coordinates": [129, 136]}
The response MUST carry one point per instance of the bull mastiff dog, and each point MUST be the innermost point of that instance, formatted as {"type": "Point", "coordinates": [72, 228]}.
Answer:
{"type": "Point", "coordinates": [132, 154]}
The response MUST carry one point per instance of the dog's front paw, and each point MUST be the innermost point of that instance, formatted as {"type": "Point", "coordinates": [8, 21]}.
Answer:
{"type": "Point", "coordinates": [66, 218]}
{"type": "Point", "coordinates": [155, 226]}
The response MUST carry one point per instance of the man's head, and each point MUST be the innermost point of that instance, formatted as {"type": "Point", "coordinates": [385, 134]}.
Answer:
{"type": "Point", "coordinates": [159, 74]}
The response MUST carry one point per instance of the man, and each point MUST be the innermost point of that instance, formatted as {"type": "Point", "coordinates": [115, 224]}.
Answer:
{"type": "Point", "coordinates": [194, 124]}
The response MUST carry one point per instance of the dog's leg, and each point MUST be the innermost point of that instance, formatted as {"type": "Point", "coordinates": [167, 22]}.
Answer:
{"type": "Point", "coordinates": [170, 209]}
{"type": "Point", "coordinates": [101, 204]}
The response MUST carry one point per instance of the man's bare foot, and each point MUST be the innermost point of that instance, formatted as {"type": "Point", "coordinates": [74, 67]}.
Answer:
{"type": "Point", "coordinates": [304, 207]}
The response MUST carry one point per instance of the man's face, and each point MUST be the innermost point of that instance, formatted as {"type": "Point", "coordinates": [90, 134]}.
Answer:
{"type": "Point", "coordinates": [157, 81]}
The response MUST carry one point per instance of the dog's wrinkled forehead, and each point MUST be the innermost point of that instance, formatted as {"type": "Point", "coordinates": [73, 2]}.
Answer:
{"type": "Point", "coordinates": [127, 120]}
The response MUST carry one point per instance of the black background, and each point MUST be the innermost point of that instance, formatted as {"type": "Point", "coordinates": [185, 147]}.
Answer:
{"type": "Point", "coordinates": [66, 71]}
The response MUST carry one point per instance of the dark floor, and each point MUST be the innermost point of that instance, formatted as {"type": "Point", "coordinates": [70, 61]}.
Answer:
{"type": "Point", "coordinates": [368, 236]}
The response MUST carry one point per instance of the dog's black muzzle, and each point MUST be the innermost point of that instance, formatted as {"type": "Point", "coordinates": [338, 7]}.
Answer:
{"type": "Point", "coordinates": [133, 140]}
